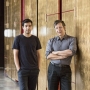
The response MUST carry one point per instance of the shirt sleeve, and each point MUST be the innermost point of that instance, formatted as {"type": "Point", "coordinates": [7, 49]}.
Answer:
{"type": "Point", "coordinates": [16, 43]}
{"type": "Point", "coordinates": [48, 48]}
{"type": "Point", "coordinates": [73, 45]}
{"type": "Point", "coordinates": [38, 44]}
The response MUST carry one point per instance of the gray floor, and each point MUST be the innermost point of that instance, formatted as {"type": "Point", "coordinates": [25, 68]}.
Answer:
{"type": "Point", "coordinates": [6, 83]}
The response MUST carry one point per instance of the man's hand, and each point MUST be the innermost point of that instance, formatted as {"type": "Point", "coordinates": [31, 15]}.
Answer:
{"type": "Point", "coordinates": [18, 69]}
{"type": "Point", "coordinates": [55, 52]}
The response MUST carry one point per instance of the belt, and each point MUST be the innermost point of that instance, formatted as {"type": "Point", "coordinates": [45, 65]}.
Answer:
{"type": "Point", "coordinates": [60, 65]}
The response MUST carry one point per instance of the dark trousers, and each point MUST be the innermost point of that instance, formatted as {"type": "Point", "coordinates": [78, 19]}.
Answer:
{"type": "Point", "coordinates": [58, 75]}
{"type": "Point", "coordinates": [28, 79]}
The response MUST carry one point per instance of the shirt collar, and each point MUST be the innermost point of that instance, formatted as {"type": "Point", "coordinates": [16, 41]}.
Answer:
{"type": "Point", "coordinates": [65, 36]}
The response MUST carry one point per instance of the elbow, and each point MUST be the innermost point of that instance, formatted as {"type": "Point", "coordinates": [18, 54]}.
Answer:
{"type": "Point", "coordinates": [70, 53]}
{"type": "Point", "coordinates": [47, 57]}
{"type": "Point", "coordinates": [74, 52]}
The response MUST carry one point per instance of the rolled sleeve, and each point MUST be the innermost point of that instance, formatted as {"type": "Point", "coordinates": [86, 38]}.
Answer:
{"type": "Point", "coordinates": [73, 46]}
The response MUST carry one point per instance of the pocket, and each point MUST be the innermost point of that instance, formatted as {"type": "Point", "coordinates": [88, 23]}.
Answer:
{"type": "Point", "coordinates": [50, 67]}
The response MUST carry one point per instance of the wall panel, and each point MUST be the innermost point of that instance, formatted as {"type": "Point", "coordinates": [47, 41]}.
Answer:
{"type": "Point", "coordinates": [83, 37]}
{"type": "Point", "coordinates": [42, 84]}
{"type": "Point", "coordinates": [12, 28]}
{"type": "Point", "coordinates": [31, 13]}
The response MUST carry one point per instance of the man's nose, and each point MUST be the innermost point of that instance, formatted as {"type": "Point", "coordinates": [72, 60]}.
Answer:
{"type": "Point", "coordinates": [28, 27]}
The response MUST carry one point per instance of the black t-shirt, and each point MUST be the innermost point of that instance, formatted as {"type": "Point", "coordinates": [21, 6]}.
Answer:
{"type": "Point", "coordinates": [27, 47]}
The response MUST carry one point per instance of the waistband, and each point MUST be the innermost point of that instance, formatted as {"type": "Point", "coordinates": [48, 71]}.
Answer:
{"type": "Point", "coordinates": [59, 65]}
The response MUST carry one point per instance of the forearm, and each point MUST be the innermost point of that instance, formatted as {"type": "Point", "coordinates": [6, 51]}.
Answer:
{"type": "Point", "coordinates": [55, 57]}
{"type": "Point", "coordinates": [64, 53]}
{"type": "Point", "coordinates": [16, 61]}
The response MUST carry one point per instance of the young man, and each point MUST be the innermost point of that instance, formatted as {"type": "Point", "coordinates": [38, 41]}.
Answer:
{"type": "Point", "coordinates": [27, 57]}
{"type": "Point", "coordinates": [59, 51]}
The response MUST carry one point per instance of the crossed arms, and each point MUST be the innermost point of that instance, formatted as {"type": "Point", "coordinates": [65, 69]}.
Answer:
{"type": "Point", "coordinates": [59, 54]}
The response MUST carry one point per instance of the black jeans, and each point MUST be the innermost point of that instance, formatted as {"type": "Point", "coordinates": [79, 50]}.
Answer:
{"type": "Point", "coordinates": [28, 79]}
{"type": "Point", "coordinates": [58, 75]}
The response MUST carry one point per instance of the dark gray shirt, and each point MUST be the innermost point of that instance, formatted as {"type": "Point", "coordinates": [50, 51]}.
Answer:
{"type": "Point", "coordinates": [55, 44]}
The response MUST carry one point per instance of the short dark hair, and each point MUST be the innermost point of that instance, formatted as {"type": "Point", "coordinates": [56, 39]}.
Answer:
{"type": "Point", "coordinates": [59, 21]}
{"type": "Point", "coordinates": [26, 21]}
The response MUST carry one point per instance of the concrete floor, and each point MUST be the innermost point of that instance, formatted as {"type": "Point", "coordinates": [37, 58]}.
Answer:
{"type": "Point", "coordinates": [6, 83]}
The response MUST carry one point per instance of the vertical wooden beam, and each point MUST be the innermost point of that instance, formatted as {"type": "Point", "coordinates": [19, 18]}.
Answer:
{"type": "Point", "coordinates": [60, 9]}
{"type": "Point", "coordinates": [37, 17]}
{"type": "Point", "coordinates": [37, 31]}
{"type": "Point", "coordinates": [60, 18]}
{"type": "Point", "coordinates": [22, 12]}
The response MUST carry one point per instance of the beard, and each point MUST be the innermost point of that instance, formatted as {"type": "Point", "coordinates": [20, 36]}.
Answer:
{"type": "Point", "coordinates": [27, 32]}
